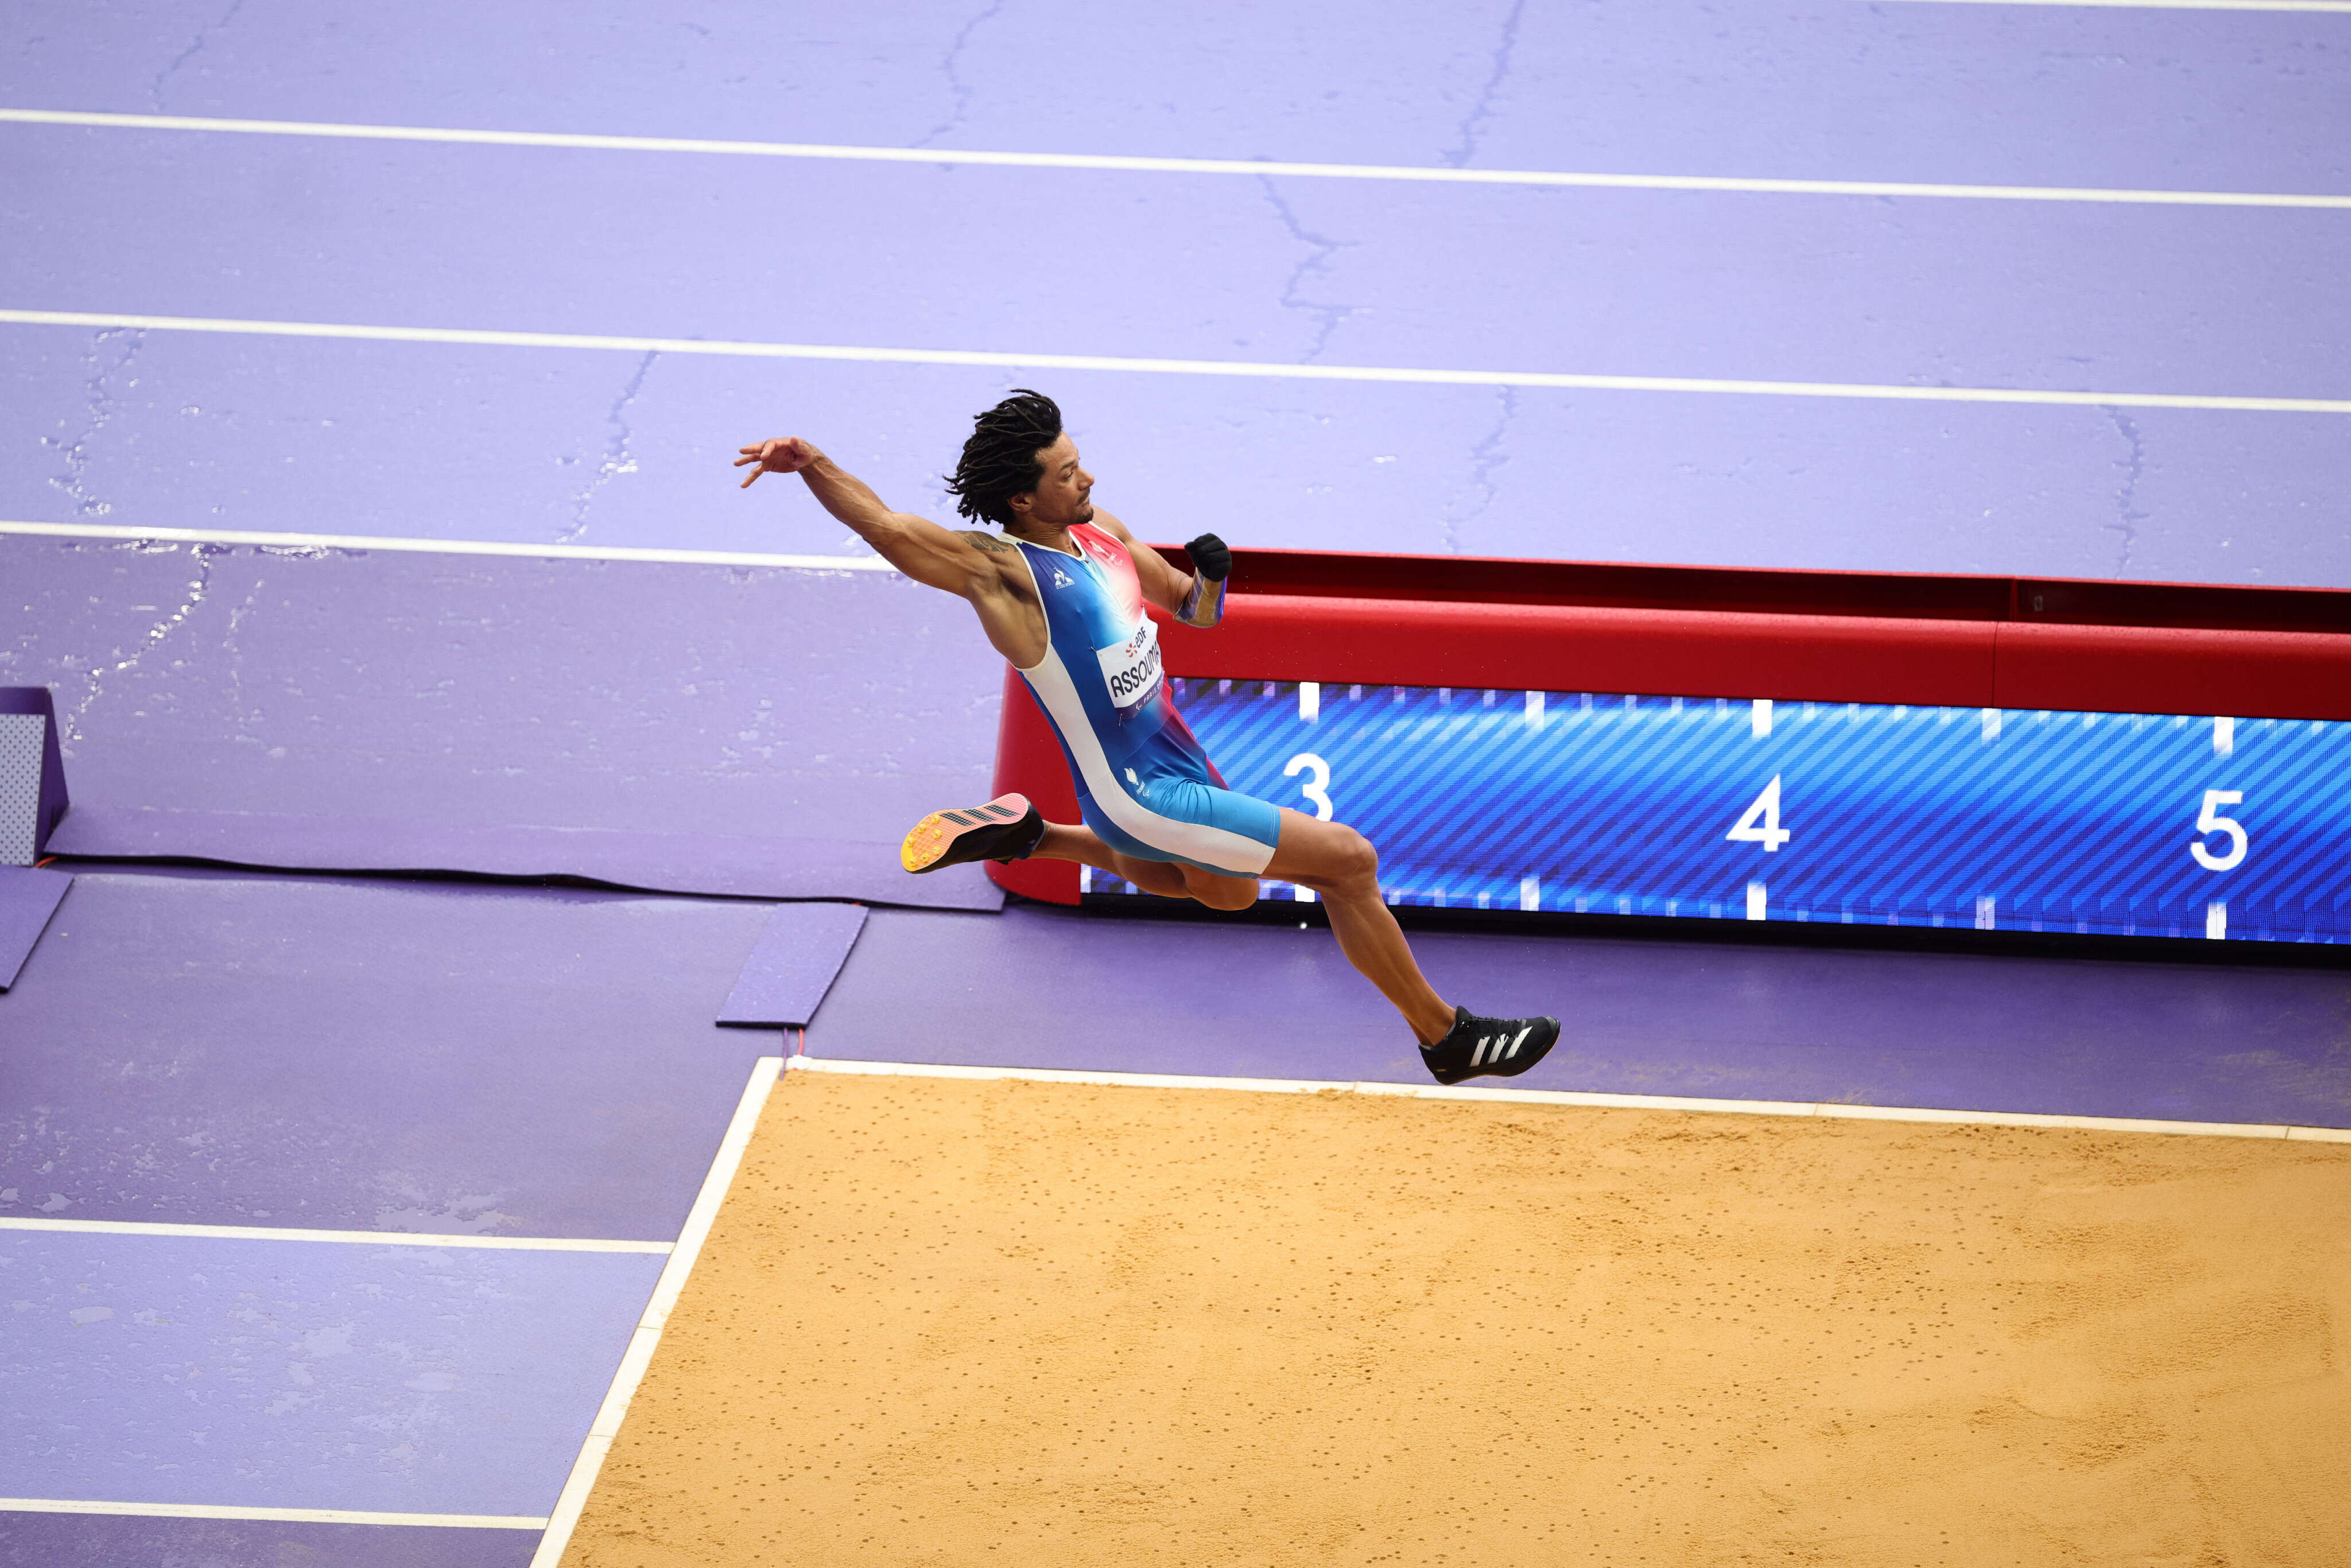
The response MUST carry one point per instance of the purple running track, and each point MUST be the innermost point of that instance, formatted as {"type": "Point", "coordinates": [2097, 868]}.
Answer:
{"type": "Point", "coordinates": [307, 1374]}
{"type": "Point", "coordinates": [102, 1541]}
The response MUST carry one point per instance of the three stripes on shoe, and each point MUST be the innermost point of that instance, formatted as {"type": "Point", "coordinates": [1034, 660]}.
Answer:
{"type": "Point", "coordinates": [1478, 1058]}
{"type": "Point", "coordinates": [970, 816]}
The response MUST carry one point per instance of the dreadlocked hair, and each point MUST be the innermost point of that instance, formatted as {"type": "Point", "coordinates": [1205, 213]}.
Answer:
{"type": "Point", "coordinates": [999, 460]}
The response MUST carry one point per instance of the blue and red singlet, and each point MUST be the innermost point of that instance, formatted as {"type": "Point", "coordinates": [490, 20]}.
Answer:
{"type": "Point", "coordinates": [1144, 785]}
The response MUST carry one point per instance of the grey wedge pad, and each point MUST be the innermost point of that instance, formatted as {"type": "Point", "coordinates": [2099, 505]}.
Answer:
{"type": "Point", "coordinates": [793, 966]}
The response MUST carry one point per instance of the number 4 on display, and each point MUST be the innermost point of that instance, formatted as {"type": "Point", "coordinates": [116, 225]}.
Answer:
{"type": "Point", "coordinates": [1760, 825]}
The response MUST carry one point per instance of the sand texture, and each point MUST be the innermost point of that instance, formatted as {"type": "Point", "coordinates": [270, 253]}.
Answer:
{"type": "Point", "coordinates": [945, 1323]}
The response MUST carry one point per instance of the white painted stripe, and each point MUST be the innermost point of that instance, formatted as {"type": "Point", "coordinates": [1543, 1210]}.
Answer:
{"type": "Point", "coordinates": [1400, 375]}
{"type": "Point", "coordinates": [274, 1515]}
{"type": "Point", "coordinates": [353, 1237]}
{"type": "Point", "coordinates": [1255, 168]}
{"type": "Point", "coordinates": [1210, 845]}
{"type": "Point", "coordinates": [640, 1353]}
{"type": "Point", "coordinates": [1570, 1097]}
{"type": "Point", "coordinates": [2169, 5]}
{"type": "Point", "coordinates": [453, 547]}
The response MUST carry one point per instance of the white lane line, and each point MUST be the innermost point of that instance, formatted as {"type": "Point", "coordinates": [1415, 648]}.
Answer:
{"type": "Point", "coordinates": [452, 547]}
{"type": "Point", "coordinates": [639, 1355]}
{"type": "Point", "coordinates": [274, 1515]}
{"type": "Point", "coordinates": [1250, 166]}
{"type": "Point", "coordinates": [1569, 1097]}
{"type": "Point", "coordinates": [356, 1238]}
{"type": "Point", "coordinates": [961, 357]}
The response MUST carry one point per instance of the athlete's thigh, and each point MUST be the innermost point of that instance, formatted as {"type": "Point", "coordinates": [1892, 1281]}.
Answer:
{"type": "Point", "coordinates": [1311, 851]}
{"type": "Point", "coordinates": [1218, 889]}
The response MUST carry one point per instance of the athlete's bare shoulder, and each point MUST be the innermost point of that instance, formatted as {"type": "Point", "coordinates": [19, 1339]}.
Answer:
{"type": "Point", "coordinates": [1011, 574]}
{"type": "Point", "coordinates": [1112, 527]}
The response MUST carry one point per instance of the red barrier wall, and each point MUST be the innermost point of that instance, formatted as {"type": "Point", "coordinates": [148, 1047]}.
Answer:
{"type": "Point", "coordinates": [2173, 669]}
{"type": "Point", "coordinates": [1709, 632]}
{"type": "Point", "coordinates": [1549, 647]}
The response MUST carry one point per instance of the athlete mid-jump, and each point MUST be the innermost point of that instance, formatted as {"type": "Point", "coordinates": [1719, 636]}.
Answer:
{"type": "Point", "coordinates": [1060, 595]}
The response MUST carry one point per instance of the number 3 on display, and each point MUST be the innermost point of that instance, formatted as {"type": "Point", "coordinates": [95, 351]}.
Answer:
{"type": "Point", "coordinates": [1760, 825]}
{"type": "Point", "coordinates": [1317, 788]}
{"type": "Point", "coordinates": [2208, 823]}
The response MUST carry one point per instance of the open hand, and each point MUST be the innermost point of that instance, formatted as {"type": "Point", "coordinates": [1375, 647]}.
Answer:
{"type": "Point", "coordinates": [785, 455]}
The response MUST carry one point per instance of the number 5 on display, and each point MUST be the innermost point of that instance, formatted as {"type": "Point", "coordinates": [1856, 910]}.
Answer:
{"type": "Point", "coordinates": [2208, 823]}
{"type": "Point", "coordinates": [1760, 825]}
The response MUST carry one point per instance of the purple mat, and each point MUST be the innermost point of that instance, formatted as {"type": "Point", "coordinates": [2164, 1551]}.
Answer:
{"type": "Point", "coordinates": [785, 978]}
{"type": "Point", "coordinates": [696, 730]}
{"type": "Point", "coordinates": [1038, 987]}
{"type": "Point", "coordinates": [306, 1374]}
{"type": "Point", "coordinates": [210, 1049]}
{"type": "Point", "coordinates": [30, 896]}
{"type": "Point", "coordinates": [100, 1541]}
{"type": "Point", "coordinates": [660, 863]}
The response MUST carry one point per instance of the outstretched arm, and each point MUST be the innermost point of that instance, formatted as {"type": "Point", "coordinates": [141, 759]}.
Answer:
{"type": "Point", "coordinates": [931, 555]}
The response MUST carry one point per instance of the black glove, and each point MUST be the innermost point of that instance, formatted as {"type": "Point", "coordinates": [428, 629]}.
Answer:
{"type": "Point", "coordinates": [1210, 559]}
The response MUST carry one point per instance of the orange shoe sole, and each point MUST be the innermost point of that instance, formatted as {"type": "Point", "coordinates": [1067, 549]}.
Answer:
{"type": "Point", "coordinates": [928, 842]}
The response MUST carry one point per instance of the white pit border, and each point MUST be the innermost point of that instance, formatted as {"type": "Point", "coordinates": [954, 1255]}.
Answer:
{"type": "Point", "coordinates": [639, 1355]}
{"type": "Point", "coordinates": [1569, 1097]}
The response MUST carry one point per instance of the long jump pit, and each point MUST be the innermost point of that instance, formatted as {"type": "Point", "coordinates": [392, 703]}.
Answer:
{"type": "Point", "coordinates": [945, 1320]}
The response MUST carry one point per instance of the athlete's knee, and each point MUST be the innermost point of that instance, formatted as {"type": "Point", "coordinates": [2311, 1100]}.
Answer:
{"type": "Point", "coordinates": [1354, 858]}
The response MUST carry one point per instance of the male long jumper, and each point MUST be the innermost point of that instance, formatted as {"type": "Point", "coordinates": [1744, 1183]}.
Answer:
{"type": "Point", "coordinates": [1061, 594]}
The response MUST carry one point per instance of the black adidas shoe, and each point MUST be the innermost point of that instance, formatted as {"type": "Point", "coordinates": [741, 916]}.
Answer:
{"type": "Point", "coordinates": [1476, 1047]}
{"type": "Point", "coordinates": [1007, 828]}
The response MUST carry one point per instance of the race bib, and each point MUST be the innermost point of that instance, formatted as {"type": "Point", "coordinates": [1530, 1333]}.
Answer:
{"type": "Point", "coordinates": [1131, 668]}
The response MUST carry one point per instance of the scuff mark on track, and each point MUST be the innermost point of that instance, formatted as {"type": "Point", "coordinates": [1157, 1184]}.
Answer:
{"type": "Point", "coordinates": [70, 729]}
{"type": "Point", "coordinates": [617, 459]}
{"type": "Point", "coordinates": [2132, 466]}
{"type": "Point", "coordinates": [195, 47]}
{"type": "Point", "coordinates": [98, 401]}
{"type": "Point", "coordinates": [244, 721]}
{"type": "Point", "coordinates": [1485, 459]}
{"type": "Point", "coordinates": [963, 93]}
{"type": "Point", "coordinates": [1473, 124]}
{"type": "Point", "coordinates": [1327, 318]}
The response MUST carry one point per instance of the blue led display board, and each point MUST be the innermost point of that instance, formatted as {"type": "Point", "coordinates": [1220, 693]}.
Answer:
{"type": "Point", "coordinates": [2121, 824]}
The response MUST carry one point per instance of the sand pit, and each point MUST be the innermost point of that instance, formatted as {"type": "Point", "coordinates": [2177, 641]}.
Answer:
{"type": "Point", "coordinates": [944, 1322]}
